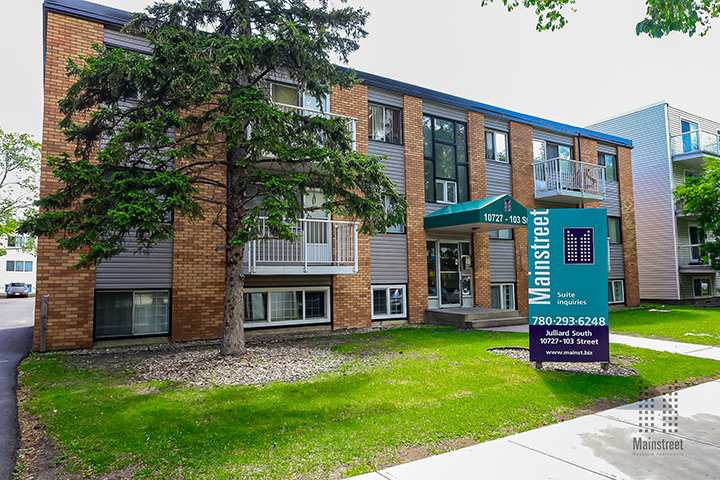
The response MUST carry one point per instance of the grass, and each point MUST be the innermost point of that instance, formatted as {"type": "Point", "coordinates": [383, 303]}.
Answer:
{"type": "Point", "coordinates": [683, 324]}
{"type": "Point", "coordinates": [439, 386]}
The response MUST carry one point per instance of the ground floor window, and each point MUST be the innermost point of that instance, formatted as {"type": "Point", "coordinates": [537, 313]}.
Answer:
{"type": "Point", "coordinates": [616, 291]}
{"type": "Point", "coordinates": [388, 301]}
{"type": "Point", "coordinates": [702, 286]}
{"type": "Point", "coordinates": [127, 313]}
{"type": "Point", "coordinates": [286, 306]}
{"type": "Point", "coordinates": [502, 295]}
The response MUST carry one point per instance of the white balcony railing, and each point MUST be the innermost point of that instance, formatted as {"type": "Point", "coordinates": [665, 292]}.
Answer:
{"type": "Point", "coordinates": [690, 256]}
{"type": "Point", "coordinates": [325, 247]}
{"type": "Point", "coordinates": [351, 122]}
{"type": "Point", "coordinates": [559, 176]}
{"type": "Point", "coordinates": [695, 141]}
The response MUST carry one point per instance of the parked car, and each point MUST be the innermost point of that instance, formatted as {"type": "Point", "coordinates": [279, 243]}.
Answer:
{"type": "Point", "coordinates": [18, 290]}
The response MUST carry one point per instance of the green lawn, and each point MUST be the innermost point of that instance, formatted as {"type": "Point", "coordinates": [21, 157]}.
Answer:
{"type": "Point", "coordinates": [684, 324]}
{"type": "Point", "coordinates": [439, 386]}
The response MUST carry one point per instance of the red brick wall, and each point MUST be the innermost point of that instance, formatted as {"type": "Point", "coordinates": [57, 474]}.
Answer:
{"type": "Point", "coordinates": [478, 191]}
{"type": "Point", "coordinates": [71, 301]}
{"type": "Point", "coordinates": [351, 300]}
{"type": "Point", "coordinates": [590, 155]}
{"type": "Point", "coordinates": [417, 290]}
{"type": "Point", "coordinates": [521, 160]}
{"type": "Point", "coordinates": [627, 225]}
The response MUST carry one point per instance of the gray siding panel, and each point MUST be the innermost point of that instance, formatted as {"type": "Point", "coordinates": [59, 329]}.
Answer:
{"type": "Point", "coordinates": [552, 137]}
{"type": "Point", "coordinates": [612, 198]}
{"type": "Point", "coordinates": [494, 123]}
{"type": "Point", "coordinates": [395, 162]}
{"type": "Point", "coordinates": [385, 97]}
{"type": "Point", "coordinates": [610, 149]}
{"type": "Point", "coordinates": [444, 111]}
{"type": "Point", "coordinates": [129, 42]}
{"type": "Point", "coordinates": [499, 178]}
{"type": "Point", "coordinates": [502, 261]}
{"type": "Point", "coordinates": [388, 259]}
{"type": "Point", "coordinates": [675, 116]}
{"type": "Point", "coordinates": [433, 207]}
{"type": "Point", "coordinates": [128, 271]}
{"type": "Point", "coordinates": [654, 211]}
{"type": "Point", "coordinates": [543, 204]}
{"type": "Point", "coordinates": [275, 281]}
{"type": "Point", "coordinates": [617, 267]}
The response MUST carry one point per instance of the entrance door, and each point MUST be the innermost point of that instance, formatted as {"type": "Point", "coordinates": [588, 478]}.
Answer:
{"type": "Point", "coordinates": [317, 233]}
{"type": "Point", "coordinates": [449, 254]}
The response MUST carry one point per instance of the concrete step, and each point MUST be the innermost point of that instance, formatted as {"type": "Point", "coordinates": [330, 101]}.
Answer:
{"type": "Point", "coordinates": [496, 322]}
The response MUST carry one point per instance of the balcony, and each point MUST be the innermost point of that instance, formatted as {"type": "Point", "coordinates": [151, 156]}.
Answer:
{"type": "Point", "coordinates": [692, 260]}
{"type": "Point", "coordinates": [351, 122]}
{"type": "Point", "coordinates": [680, 210]}
{"type": "Point", "coordinates": [569, 181]}
{"type": "Point", "coordinates": [325, 247]}
{"type": "Point", "coordinates": [690, 148]}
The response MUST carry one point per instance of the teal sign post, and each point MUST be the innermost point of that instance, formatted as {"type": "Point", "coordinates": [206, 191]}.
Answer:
{"type": "Point", "coordinates": [568, 285]}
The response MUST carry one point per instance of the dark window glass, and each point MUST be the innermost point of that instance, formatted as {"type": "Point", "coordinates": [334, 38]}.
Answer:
{"type": "Point", "coordinates": [610, 162]}
{"type": "Point", "coordinates": [429, 182]}
{"type": "Point", "coordinates": [463, 195]}
{"type": "Point", "coordinates": [11, 241]}
{"type": "Point", "coordinates": [489, 145]}
{"type": "Point", "coordinates": [461, 144]}
{"type": "Point", "coordinates": [396, 301]}
{"type": "Point", "coordinates": [444, 131]}
{"type": "Point", "coordinates": [432, 269]}
{"type": "Point", "coordinates": [113, 314]}
{"type": "Point", "coordinates": [427, 137]}
{"type": "Point", "coordinates": [444, 161]}
{"type": "Point", "coordinates": [379, 302]}
{"type": "Point", "coordinates": [445, 150]}
{"type": "Point", "coordinates": [255, 306]}
{"type": "Point", "coordinates": [504, 234]}
{"type": "Point", "coordinates": [385, 124]}
{"type": "Point", "coordinates": [28, 266]}
{"type": "Point", "coordinates": [10, 266]}
{"type": "Point", "coordinates": [614, 230]}
{"type": "Point", "coordinates": [315, 305]}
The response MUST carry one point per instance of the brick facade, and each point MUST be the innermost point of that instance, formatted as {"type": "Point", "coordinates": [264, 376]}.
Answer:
{"type": "Point", "coordinates": [588, 154]}
{"type": "Point", "coordinates": [417, 291]}
{"type": "Point", "coordinates": [71, 301]}
{"type": "Point", "coordinates": [478, 191]}
{"type": "Point", "coordinates": [521, 160]}
{"type": "Point", "coordinates": [627, 226]}
{"type": "Point", "coordinates": [351, 294]}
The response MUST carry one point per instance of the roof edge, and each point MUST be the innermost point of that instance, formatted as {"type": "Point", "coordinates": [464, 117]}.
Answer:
{"type": "Point", "coordinates": [89, 11]}
{"type": "Point", "coordinates": [635, 110]}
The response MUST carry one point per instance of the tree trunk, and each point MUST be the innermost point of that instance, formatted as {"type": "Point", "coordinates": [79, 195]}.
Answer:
{"type": "Point", "coordinates": [233, 338]}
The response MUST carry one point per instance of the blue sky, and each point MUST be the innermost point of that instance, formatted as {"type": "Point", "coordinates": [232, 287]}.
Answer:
{"type": "Point", "coordinates": [594, 68]}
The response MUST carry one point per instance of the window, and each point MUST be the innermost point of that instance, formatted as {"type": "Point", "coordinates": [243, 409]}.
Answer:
{"type": "Point", "coordinates": [10, 266]}
{"type": "Point", "coordinates": [16, 242]}
{"type": "Point", "coordinates": [616, 291]}
{"type": "Point", "coordinates": [689, 174]}
{"type": "Point", "coordinates": [690, 136]}
{"type": "Point", "coordinates": [539, 151]}
{"type": "Point", "coordinates": [503, 296]}
{"type": "Point", "coordinates": [446, 162]}
{"type": "Point", "coordinates": [388, 301]}
{"type": "Point", "coordinates": [290, 95]}
{"type": "Point", "coordinates": [610, 162]}
{"type": "Point", "coordinates": [560, 151]}
{"type": "Point", "coordinates": [432, 269]}
{"type": "Point", "coordinates": [496, 147]}
{"type": "Point", "coordinates": [614, 230]}
{"type": "Point", "coordinates": [385, 124]}
{"type": "Point", "coordinates": [504, 234]}
{"type": "Point", "coordinates": [18, 266]}
{"type": "Point", "coordinates": [286, 306]}
{"type": "Point", "coordinates": [124, 314]}
{"type": "Point", "coordinates": [701, 287]}
{"type": "Point", "coordinates": [400, 228]}
{"type": "Point", "coordinates": [697, 238]}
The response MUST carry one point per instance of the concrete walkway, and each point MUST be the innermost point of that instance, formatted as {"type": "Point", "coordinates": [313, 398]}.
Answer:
{"type": "Point", "coordinates": [629, 442]}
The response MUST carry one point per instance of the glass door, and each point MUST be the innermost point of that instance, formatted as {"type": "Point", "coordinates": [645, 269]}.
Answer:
{"type": "Point", "coordinates": [449, 254]}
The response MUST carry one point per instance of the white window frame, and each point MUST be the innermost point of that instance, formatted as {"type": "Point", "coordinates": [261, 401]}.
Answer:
{"type": "Point", "coordinates": [132, 315]}
{"type": "Point", "coordinates": [302, 98]}
{"type": "Point", "coordinates": [710, 286]}
{"type": "Point", "coordinates": [387, 299]}
{"type": "Point", "coordinates": [445, 184]}
{"type": "Point", "coordinates": [502, 295]}
{"type": "Point", "coordinates": [371, 133]}
{"type": "Point", "coordinates": [495, 149]}
{"type": "Point", "coordinates": [612, 289]}
{"type": "Point", "coordinates": [544, 147]}
{"type": "Point", "coordinates": [397, 229]}
{"type": "Point", "coordinates": [268, 307]}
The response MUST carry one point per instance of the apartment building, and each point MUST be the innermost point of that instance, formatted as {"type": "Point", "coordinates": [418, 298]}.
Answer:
{"type": "Point", "coordinates": [670, 145]}
{"type": "Point", "coordinates": [18, 265]}
{"type": "Point", "coordinates": [456, 161]}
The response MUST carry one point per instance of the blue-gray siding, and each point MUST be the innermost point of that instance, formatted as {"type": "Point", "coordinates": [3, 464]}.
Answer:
{"type": "Point", "coordinates": [444, 111]}
{"type": "Point", "coordinates": [499, 178]}
{"type": "Point", "coordinates": [114, 38]}
{"type": "Point", "coordinates": [135, 271]}
{"type": "Point", "coordinates": [385, 97]}
{"type": "Point", "coordinates": [654, 211]}
{"type": "Point", "coordinates": [617, 267]}
{"type": "Point", "coordinates": [394, 163]}
{"type": "Point", "coordinates": [552, 137]}
{"type": "Point", "coordinates": [611, 149]}
{"type": "Point", "coordinates": [502, 261]}
{"type": "Point", "coordinates": [612, 198]}
{"type": "Point", "coordinates": [388, 259]}
{"type": "Point", "coordinates": [494, 123]}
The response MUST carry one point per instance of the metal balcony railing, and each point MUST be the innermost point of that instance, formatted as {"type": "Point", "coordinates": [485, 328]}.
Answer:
{"type": "Point", "coordinates": [695, 141]}
{"type": "Point", "coordinates": [351, 122]}
{"type": "Point", "coordinates": [325, 245]}
{"type": "Point", "coordinates": [692, 256]}
{"type": "Point", "coordinates": [569, 177]}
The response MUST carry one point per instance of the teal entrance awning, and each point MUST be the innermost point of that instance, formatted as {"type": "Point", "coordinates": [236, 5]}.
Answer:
{"type": "Point", "coordinates": [494, 213]}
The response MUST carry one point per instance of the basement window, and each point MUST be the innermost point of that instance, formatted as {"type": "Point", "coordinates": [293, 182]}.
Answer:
{"type": "Point", "coordinates": [265, 307]}
{"type": "Point", "coordinates": [388, 301]}
{"type": "Point", "coordinates": [132, 313]}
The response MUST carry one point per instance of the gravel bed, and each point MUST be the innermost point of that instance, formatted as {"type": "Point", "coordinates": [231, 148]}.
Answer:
{"type": "Point", "coordinates": [523, 354]}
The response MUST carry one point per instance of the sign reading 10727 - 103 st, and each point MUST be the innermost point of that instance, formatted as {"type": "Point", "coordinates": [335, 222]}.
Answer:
{"type": "Point", "coordinates": [567, 285]}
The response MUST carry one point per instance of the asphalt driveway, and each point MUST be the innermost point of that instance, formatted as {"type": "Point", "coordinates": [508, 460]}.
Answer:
{"type": "Point", "coordinates": [16, 328]}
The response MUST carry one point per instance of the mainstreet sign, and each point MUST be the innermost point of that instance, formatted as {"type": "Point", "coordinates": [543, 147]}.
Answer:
{"type": "Point", "coordinates": [568, 285]}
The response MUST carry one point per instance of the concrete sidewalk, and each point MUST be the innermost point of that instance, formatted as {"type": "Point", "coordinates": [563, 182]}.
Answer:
{"type": "Point", "coordinates": [630, 442]}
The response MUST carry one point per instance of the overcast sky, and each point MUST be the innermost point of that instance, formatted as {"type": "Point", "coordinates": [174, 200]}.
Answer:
{"type": "Point", "coordinates": [594, 68]}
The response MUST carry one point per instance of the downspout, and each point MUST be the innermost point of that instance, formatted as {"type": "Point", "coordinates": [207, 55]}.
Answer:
{"type": "Point", "coordinates": [580, 159]}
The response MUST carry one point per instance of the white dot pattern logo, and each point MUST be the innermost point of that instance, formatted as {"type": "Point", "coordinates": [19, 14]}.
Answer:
{"type": "Point", "coordinates": [579, 246]}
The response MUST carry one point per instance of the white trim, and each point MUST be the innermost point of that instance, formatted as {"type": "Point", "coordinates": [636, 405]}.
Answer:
{"type": "Point", "coordinates": [612, 282]}
{"type": "Point", "coordinates": [387, 299]}
{"type": "Point", "coordinates": [268, 307]}
{"type": "Point", "coordinates": [678, 287]}
{"type": "Point", "coordinates": [502, 295]}
{"type": "Point", "coordinates": [445, 184]}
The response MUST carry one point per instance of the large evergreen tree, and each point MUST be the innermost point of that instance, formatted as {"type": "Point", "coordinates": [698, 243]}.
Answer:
{"type": "Point", "coordinates": [145, 129]}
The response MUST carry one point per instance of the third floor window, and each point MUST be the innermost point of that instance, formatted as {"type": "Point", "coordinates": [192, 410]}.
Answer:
{"type": "Point", "coordinates": [385, 124]}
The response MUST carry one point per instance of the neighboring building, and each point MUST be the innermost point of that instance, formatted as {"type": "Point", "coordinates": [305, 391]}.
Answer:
{"type": "Point", "coordinates": [669, 146]}
{"type": "Point", "coordinates": [17, 265]}
{"type": "Point", "coordinates": [440, 150]}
